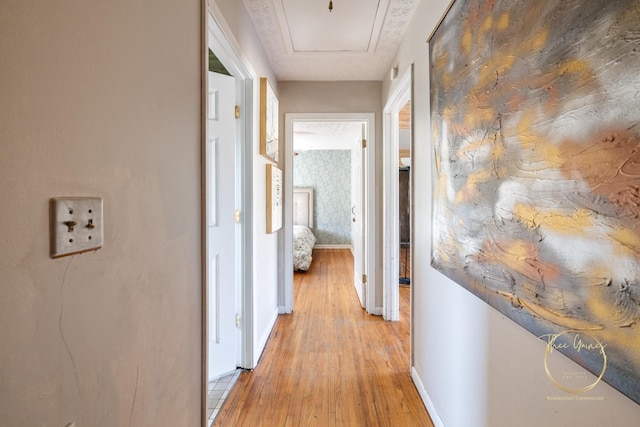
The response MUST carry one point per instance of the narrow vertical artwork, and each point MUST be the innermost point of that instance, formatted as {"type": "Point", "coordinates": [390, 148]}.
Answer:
{"type": "Point", "coordinates": [269, 116]}
{"type": "Point", "coordinates": [274, 198]}
{"type": "Point", "coordinates": [535, 115]}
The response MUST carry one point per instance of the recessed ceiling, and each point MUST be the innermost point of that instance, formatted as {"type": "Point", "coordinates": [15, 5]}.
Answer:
{"type": "Point", "coordinates": [354, 27]}
{"type": "Point", "coordinates": [357, 40]}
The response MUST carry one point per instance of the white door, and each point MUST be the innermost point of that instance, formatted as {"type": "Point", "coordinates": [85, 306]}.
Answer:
{"type": "Point", "coordinates": [221, 226]}
{"type": "Point", "coordinates": [357, 217]}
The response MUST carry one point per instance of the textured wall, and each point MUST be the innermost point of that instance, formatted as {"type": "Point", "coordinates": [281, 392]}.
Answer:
{"type": "Point", "coordinates": [328, 172]}
{"type": "Point", "coordinates": [101, 100]}
{"type": "Point", "coordinates": [550, 175]}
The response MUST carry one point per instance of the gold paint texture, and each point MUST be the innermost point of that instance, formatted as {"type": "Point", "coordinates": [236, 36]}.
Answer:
{"type": "Point", "coordinates": [537, 165]}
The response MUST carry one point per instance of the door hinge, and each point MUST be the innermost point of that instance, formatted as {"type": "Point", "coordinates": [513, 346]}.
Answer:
{"type": "Point", "coordinates": [237, 216]}
{"type": "Point", "coordinates": [237, 112]}
{"type": "Point", "coordinates": [364, 278]}
{"type": "Point", "coordinates": [364, 143]}
{"type": "Point", "coordinates": [237, 320]}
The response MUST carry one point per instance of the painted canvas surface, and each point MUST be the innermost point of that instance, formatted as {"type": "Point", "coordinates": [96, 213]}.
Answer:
{"type": "Point", "coordinates": [274, 198]}
{"type": "Point", "coordinates": [269, 116]}
{"type": "Point", "coordinates": [535, 110]}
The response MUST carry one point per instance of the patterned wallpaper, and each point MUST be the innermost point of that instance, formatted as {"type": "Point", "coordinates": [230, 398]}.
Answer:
{"type": "Point", "coordinates": [328, 172]}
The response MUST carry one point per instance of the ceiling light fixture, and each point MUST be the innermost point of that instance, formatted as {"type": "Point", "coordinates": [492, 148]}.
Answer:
{"type": "Point", "coordinates": [330, 6]}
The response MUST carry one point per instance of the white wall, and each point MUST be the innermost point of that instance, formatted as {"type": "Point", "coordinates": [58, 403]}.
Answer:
{"type": "Point", "coordinates": [342, 97]}
{"type": "Point", "coordinates": [478, 367]}
{"type": "Point", "coordinates": [265, 249]}
{"type": "Point", "coordinates": [101, 99]}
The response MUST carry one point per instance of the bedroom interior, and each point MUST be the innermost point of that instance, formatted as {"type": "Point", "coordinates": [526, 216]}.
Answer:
{"type": "Point", "coordinates": [322, 187]}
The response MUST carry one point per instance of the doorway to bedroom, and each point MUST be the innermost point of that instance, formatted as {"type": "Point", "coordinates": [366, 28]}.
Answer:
{"type": "Point", "coordinates": [326, 179]}
{"type": "Point", "coordinates": [327, 188]}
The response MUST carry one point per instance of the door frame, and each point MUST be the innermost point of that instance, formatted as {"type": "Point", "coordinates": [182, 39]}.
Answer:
{"type": "Point", "coordinates": [390, 220]}
{"type": "Point", "coordinates": [217, 36]}
{"type": "Point", "coordinates": [285, 288]}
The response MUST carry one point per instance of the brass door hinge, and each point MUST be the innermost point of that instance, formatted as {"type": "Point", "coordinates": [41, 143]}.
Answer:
{"type": "Point", "coordinates": [237, 111]}
{"type": "Point", "coordinates": [364, 278]}
{"type": "Point", "coordinates": [237, 216]}
{"type": "Point", "coordinates": [364, 143]}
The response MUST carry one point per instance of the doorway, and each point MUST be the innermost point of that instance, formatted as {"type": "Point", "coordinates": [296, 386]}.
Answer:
{"type": "Point", "coordinates": [404, 193]}
{"type": "Point", "coordinates": [361, 208]}
{"type": "Point", "coordinates": [227, 90]}
{"type": "Point", "coordinates": [397, 170]}
{"type": "Point", "coordinates": [327, 165]}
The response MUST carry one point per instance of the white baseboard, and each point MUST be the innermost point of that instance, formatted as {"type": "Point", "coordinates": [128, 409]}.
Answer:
{"type": "Point", "coordinates": [332, 247]}
{"type": "Point", "coordinates": [437, 421]}
{"type": "Point", "coordinates": [377, 311]}
{"type": "Point", "coordinates": [283, 310]}
{"type": "Point", "coordinates": [257, 353]}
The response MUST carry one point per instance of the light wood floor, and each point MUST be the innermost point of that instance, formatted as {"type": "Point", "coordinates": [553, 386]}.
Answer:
{"type": "Point", "coordinates": [329, 363]}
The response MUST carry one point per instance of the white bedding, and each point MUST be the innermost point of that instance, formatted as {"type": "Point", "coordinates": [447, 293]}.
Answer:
{"type": "Point", "coordinates": [303, 241]}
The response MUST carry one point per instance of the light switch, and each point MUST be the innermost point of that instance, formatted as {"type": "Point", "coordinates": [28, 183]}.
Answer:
{"type": "Point", "coordinates": [76, 225]}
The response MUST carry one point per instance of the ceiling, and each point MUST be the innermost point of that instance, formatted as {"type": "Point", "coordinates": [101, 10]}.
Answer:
{"type": "Point", "coordinates": [342, 135]}
{"type": "Point", "coordinates": [304, 41]}
{"type": "Point", "coordinates": [357, 40]}
{"type": "Point", "coordinates": [333, 135]}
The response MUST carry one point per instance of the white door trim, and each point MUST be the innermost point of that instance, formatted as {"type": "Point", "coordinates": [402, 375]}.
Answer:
{"type": "Point", "coordinates": [285, 290]}
{"type": "Point", "coordinates": [216, 34]}
{"type": "Point", "coordinates": [390, 221]}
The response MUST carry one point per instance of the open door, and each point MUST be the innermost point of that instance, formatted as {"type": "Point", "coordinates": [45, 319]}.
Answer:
{"type": "Point", "coordinates": [221, 226]}
{"type": "Point", "coordinates": [227, 168]}
{"type": "Point", "coordinates": [357, 218]}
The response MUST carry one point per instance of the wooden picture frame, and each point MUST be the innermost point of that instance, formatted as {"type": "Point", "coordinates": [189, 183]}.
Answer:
{"type": "Point", "coordinates": [269, 123]}
{"type": "Point", "coordinates": [274, 198]}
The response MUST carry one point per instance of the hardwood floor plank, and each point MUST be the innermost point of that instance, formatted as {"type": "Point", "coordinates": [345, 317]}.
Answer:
{"type": "Point", "coordinates": [329, 363]}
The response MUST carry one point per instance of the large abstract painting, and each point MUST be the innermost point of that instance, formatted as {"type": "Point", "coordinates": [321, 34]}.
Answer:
{"type": "Point", "coordinates": [535, 111]}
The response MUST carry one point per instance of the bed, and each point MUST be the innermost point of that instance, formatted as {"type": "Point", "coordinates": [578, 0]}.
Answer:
{"type": "Point", "coordinates": [303, 237]}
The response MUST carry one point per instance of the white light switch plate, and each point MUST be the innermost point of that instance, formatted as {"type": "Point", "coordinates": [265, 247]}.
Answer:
{"type": "Point", "coordinates": [76, 225]}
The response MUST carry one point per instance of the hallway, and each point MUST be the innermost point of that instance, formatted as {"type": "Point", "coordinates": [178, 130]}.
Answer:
{"type": "Point", "coordinates": [329, 363]}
